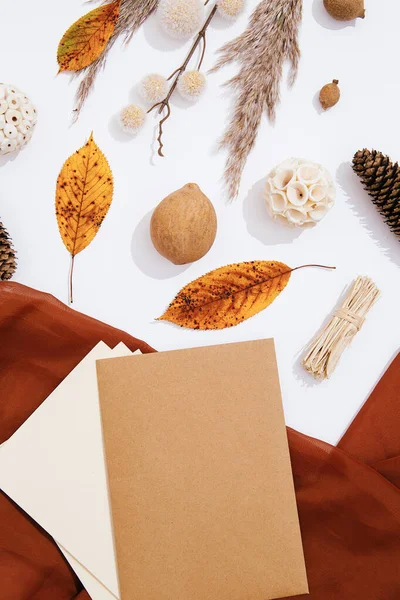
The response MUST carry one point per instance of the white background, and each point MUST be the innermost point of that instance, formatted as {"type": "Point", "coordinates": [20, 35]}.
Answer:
{"type": "Point", "coordinates": [121, 279]}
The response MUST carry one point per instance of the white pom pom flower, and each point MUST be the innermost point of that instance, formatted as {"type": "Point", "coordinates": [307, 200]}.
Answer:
{"type": "Point", "coordinates": [230, 9]}
{"type": "Point", "coordinates": [153, 88]}
{"type": "Point", "coordinates": [15, 110]}
{"type": "Point", "coordinates": [132, 118]}
{"type": "Point", "coordinates": [299, 193]}
{"type": "Point", "coordinates": [191, 85]}
{"type": "Point", "coordinates": [180, 18]}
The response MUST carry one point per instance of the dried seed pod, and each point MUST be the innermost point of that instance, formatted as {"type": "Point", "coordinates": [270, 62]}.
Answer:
{"type": "Point", "coordinates": [8, 264]}
{"type": "Point", "coordinates": [191, 85]}
{"type": "Point", "coordinates": [345, 10]}
{"type": "Point", "coordinates": [153, 88]}
{"type": "Point", "coordinates": [230, 9]}
{"type": "Point", "coordinates": [132, 118]}
{"type": "Point", "coordinates": [329, 94]}
{"type": "Point", "coordinates": [299, 193]}
{"type": "Point", "coordinates": [16, 110]}
{"type": "Point", "coordinates": [180, 18]}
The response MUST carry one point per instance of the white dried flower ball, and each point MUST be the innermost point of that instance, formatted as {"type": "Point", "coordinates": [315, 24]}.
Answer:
{"type": "Point", "coordinates": [299, 193]}
{"type": "Point", "coordinates": [132, 118]}
{"type": "Point", "coordinates": [153, 88]}
{"type": "Point", "coordinates": [230, 9]}
{"type": "Point", "coordinates": [191, 84]}
{"type": "Point", "coordinates": [17, 119]}
{"type": "Point", "coordinates": [180, 18]}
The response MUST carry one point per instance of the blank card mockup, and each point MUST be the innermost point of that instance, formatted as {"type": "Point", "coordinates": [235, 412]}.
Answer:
{"type": "Point", "coordinates": [199, 475]}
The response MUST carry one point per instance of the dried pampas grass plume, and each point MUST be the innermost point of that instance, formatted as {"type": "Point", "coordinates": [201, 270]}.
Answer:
{"type": "Point", "coordinates": [270, 39]}
{"type": "Point", "coordinates": [132, 15]}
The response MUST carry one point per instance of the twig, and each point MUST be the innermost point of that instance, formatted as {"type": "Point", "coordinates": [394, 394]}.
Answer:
{"type": "Point", "coordinates": [201, 36]}
{"type": "Point", "coordinates": [202, 52]}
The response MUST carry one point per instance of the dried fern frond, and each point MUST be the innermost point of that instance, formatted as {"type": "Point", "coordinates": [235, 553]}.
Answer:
{"type": "Point", "coordinates": [132, 15]}
{"type": "Point", "coordinates": [270, 39]}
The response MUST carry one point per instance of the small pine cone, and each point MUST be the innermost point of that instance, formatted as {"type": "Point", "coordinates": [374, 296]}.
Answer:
{"type": "Point", "coordinates": [7, 255]}
{"type": "Point", "coordinates": [381, 179]}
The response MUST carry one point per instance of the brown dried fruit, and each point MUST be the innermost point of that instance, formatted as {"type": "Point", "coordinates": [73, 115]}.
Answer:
{"type": "Point", "coordinates": [345, 10]}
{"type": "Point", "coordinates": [184, 225]}
{"type": "Point", "coordinates": [329, 94]}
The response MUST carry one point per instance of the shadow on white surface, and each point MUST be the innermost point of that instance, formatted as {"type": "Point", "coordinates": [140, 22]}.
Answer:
{"type": "Point", "coordinates": [323, 18]}
{"type": "Point", "coordinates": [154, 145]}
{"type": "Point", "coordinates": [8, 158]}
{"type": "Point", "coordinates": [220, 23]}
{"type": "Point", "coordinates": [259, 223]}
{"type": "Point", "coordinates": [134, 96]}
{"type": "Point", "coordinates": [146, 257]}
{"type": "Point", "coordinates": [317, 104]}
{"type": "Point", "coordinates": [159, 40]}
{"type": "Point", "coordinates": [180, 103]}
{"type": "Point", "coordinates": [363, 207]}
{"type": "Point", "coordinates": [301, 375]}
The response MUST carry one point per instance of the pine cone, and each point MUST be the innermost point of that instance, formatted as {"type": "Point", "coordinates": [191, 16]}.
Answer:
{"type": "Point", "coordinates": [381, 179]}
{"type": "Point", "coordinates": [8, 264]}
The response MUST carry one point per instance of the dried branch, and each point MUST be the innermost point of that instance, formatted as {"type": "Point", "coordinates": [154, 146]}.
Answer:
{"type": "Point", "coordinates": [175, 75]}
{"type": "Point", "coordinates": [270, 39]}
{"type": "Point", "coordinates": [132, 15]}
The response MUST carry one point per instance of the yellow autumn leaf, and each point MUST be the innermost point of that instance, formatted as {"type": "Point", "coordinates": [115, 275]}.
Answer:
{"type": "Point", "coordinates": [229, 295]}
{"type": "Point", "coordinates": [84, 193]}
{"type": "Point", "coordinates": [86, 39]}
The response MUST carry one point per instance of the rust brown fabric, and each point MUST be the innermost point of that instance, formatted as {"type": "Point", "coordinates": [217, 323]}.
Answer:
{"type": "Point", "coordinates": [348, 496]}
{"type": "Point", "coordinates": [374, 436]}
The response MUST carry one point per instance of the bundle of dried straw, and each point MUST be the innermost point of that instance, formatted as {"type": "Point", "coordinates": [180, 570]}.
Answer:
{"type": "Point", "coordinates": [326, 349]}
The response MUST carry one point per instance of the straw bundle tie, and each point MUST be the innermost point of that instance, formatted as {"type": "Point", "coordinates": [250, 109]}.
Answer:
{"type": "Point", "coordinates": [353, 318]}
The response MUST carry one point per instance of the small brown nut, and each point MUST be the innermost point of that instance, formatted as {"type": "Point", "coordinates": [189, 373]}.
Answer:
{"type": "Point", "coordinates": [184, 225]}
{"type": "Point", "coordinates": [345, 10]}
{"type": "Point", "coordinates": [329, 94]}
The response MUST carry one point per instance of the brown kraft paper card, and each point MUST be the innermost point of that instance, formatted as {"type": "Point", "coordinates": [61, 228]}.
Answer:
{"type": "Point", "coordinates": [199, 474]}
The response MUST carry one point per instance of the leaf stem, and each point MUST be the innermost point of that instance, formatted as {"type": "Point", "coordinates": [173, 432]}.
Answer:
{"type": "Point", "coordinates": [71, 272]}
{"type": "Point", "coordinates": [201, 36]}
{"type": "Point", "coordinates": [318, 266]}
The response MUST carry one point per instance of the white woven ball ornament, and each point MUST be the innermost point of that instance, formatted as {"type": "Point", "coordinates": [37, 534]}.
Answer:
{"type": "Point", "coordinates": [230, 9]}
{"type": "Point", "coordinates": [299, 193]}
{"type": "Point", "coordinates": [191, 85]}
{"type": "Point", "coordinates": [180, 18]}
{"type": "Point", "coordinates": [153, 88]}
{"type": "Point", "coordinates": [132, 118]}
{"type": "Point", "coordinates": [17, 119]}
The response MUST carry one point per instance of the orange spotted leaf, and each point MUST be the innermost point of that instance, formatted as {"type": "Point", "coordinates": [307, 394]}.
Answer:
{"type": "Point", "coordinates": [84, 193]}
{"type": "Point", "coordinates": [229, 295]}
{"type": "Point", "coordinates": [86, 39]}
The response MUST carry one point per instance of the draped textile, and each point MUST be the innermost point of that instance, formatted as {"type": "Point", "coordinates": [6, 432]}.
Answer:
{"type": "Point", "coordinates": [348, 496]}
